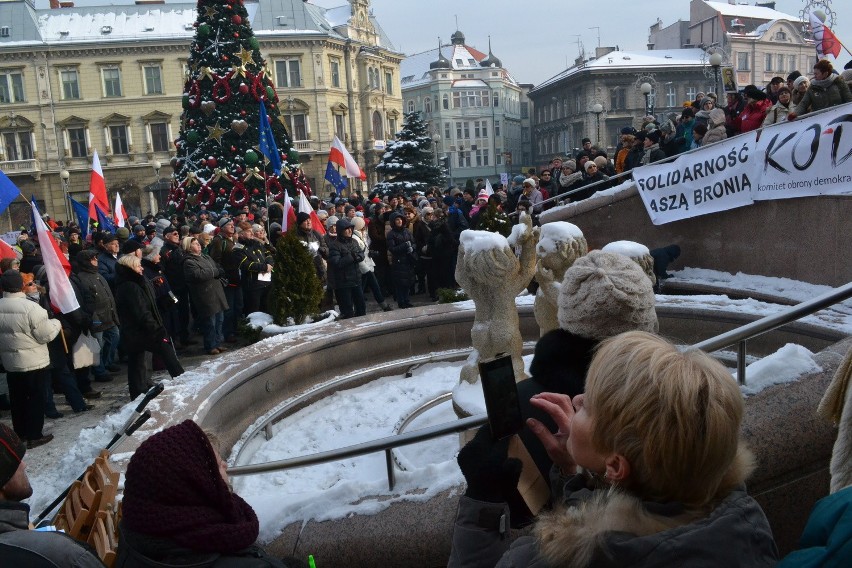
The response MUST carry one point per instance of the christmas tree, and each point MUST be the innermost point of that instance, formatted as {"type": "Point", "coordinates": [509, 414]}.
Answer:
{"type": "Point", "coordinates": [494, 220]}
{"type": "Point", "coordinates": [219, 163]}
{"type": "Point", "coordinates": [408, 165]}
{"type": "Point", "coordinates": [296, 289]}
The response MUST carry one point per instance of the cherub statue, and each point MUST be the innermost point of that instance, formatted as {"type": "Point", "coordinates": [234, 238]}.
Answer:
{"type": "Point", "coordinates": [560, 244]}
{"type": "Point", "coordinates": [492, 275]}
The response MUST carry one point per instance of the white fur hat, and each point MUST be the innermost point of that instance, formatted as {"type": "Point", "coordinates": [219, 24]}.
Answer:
{"type": "Point", "coordinates": [604, 294]}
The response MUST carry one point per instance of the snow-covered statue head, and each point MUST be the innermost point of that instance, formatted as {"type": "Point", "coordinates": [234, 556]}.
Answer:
{"type": "Point", "coordinates": [487, 257]}
{"type": "Point", "coordinates": [559, 246]}
{"type": "Point", "coordinates": [638, 252]}
{"type": "Point", "coordinates": [604, 294]}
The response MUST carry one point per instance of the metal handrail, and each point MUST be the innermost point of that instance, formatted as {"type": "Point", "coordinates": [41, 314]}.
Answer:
{"type": "Point", "coordinates": [741, 335]}
{"type": "Point", "coordinates": [737, 336]}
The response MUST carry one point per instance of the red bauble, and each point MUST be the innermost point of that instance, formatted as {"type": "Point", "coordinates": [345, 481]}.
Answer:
{"type": "Point", "coordinates": [236, 35]}
{"type": "Point", "coordinates": [255, 191]}
{"type": "Point", "coordinates": [203, 162]}
{"type": "Point", "coordinates": [233, 148]}
{"type": "Point", "coordinates": [211, 161]}
{"type": "Point", "coordinates": [236, 19]}
{"type": "Point", "coordinates": [222, 191]}
{"type": "Point", "coordinates": [242, 113]}
{"type": "Point", "coordinates": [244, 89]}
{"type": "Point", "coordinates": [224, 58]}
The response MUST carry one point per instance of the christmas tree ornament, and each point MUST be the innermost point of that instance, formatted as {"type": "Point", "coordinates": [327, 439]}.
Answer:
{"type": "Point", "coordinates": [216, 132]}
{"type": "Point", "coordinates": [245, 56]}
{"type": "Point", "coordinates": [211, 161]}
{"type": "Point", "coordinates": [236, 19]}
{"type": "Point", "coordinates": [208, 107]}
{"type": "Point", "coordinates": [254, 43]}
{"type": "Point", "coordinates": [239, 126]}
{"type": "Point", "coordinates": [210, 12]}
{"type": "Point", "coordinates": [193, 137]}
{"type": "Point", "coordinates": [251, 158]}
{"type": "Point", "coordinates": [222, 90]}
{"type": "Point", "coordinates": [203, 31]}
{"type": "Point", "coordinates": [244, 89]}
{"type": "Point", "coordinates": [207, 73]}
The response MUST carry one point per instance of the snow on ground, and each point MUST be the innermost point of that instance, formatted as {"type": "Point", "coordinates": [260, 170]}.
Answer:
{"type": "Point", "coordinates": [784, 366]}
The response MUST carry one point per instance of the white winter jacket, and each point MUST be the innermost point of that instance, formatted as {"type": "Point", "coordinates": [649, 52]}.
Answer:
{"type": "Point", "coordinates": [25, 331]}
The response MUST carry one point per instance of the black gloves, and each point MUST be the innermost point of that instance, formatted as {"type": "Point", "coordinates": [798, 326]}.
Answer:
{"type": "Point", "coordinates": [490, 475]}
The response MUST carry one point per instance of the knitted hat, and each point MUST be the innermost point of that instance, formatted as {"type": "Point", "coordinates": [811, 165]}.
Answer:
{"type": "Point", "coordinates": [604, 294]}
{"type": "Point", "coordinates": [799, 81]}
{"type": "Point", "coordinates": [122, 233]}
{"type": "Point", "coordinates": [570, 164]}
{"type": "Point", "coordinates": [704, 101]}
{"type": "Point", "coordinates": [529, 181]}
{"type": "Point", "coordinates": [12, 281]}
{"type": "Point", "coordinates": [12, 450]}
{"type": "Point", "coordinates": [359, 223]}
{"type": "Point", "coordinates": [301, 217]}
{"type": "Point", "coordinates": [322, 214]}
{"type": "Point", "coordinates": [717, 117]}
{"type": "Point", "coordinates": [173, 489]}
{"type": "Point", "coordinates": [330, 222]}
{"type": "Point", "coordinates": [518, 179]}
{"type": "Point", "coordinates": [588, 165]}
{"type": "Point", "coordinates": [483, 195]}
{"type": "Point", "coordinates": [138, 229]}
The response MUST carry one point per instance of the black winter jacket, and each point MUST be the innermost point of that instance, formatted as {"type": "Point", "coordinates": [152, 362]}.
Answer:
{"type": "Point", "coordinates": [344, 255]}
{"type": "Point", "coordinates": [141, 322]}
{"type": "Point", "coordinates": [95, 297]}
{"type": "Point", "coordinates": [205, 287]}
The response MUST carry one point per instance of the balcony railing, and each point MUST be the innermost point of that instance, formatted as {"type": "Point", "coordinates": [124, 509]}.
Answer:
{"type": "Point", "coordinates": [304, 146]}
{"type": "Point", "coordinates": [20, 167]}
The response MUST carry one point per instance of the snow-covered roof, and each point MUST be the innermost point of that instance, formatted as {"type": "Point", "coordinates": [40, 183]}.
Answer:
{"type": "Point", "coordinates": [751, 12]}
{"type": "Point", "coordinates": [414, 69]}
{"type": "Point", "coordinates": [470, 83]}
{"type": "Point", "coordinates": [116, 23]}
{"type": "Point", "coordinates": [654, 58]}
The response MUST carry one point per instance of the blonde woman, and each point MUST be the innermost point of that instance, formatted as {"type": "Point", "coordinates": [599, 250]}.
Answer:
{"type": "Point", "coordinates": [650, 470]}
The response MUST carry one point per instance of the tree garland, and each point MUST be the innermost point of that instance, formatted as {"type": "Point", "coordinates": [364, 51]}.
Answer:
{"type": "Point", "coordinates": [276, 190]}
{"type": "Point", "coordinates": [240, 202]}
{"type": "Point", "coordinates": [206, 196]}
{"type": "Point", "coordinates": [194, 95]}
{"type": "Point", "coordinates": [222, 83]}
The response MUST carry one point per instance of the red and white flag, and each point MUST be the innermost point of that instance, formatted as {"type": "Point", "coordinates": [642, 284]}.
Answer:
{"type": "Point", "coordinates": [58, 268]}
{"type": "Point", "coordinates": [6, 251]}
{"type": "Point", "coordinates": [824, 39]}
{"type": "Point", "coordinates": [340, 156]}
{"type": "Point", "coordinates": [488, 189]}
{"type": "Point", "coordinates": [289, 219]}
{"type": "Point", "coordinates": [305, 207]}
{"type": "Point", "coordinates": [97, 190]}
{"type": "Point", "coordinates": [119, 214]}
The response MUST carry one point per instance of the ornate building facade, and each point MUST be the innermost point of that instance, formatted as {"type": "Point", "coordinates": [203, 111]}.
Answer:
{"type": "Point", "coordinates": [472, 105]}
{"type": "Point", "coordinates": [110, 78]}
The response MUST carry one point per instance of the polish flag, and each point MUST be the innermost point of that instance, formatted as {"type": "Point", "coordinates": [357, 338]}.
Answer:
{"type": "Point", "coordinates": [119, 214]}
{"type": "Point", "coordinates": [305, 207]}
{"type": "Point", "coordinates": [58, 268]}
{"type": "Point", "coordinates": [6, 251]}
{"type": "Point", "coordinates": [97, 189]}
{"type": "Point", "coordinates": [340, 156]}
{"type": "Point", "coordinates": [824, 39]}
{"type": "Point", "coordinates": [289, 215]}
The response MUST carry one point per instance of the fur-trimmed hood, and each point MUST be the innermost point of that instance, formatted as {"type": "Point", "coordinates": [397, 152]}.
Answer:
{"type": "Point", "coordinates": [613, 528]}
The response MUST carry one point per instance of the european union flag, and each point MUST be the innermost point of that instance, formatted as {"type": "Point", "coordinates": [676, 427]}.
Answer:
{"type": "Point", "coordinates": [82, 213]}
{"type": "Point", "coordinates": [267, 141]}
{"type": "Point", "coordinates": [103, 221]}
{"type": "Point", "coordinates": [8, 192]}
{"type": "Point", "coordinates": [334, 178]}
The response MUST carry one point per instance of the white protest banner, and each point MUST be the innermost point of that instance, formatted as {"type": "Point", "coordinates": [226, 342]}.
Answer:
{"type": "Point", "coordinates": [716, 178]}
{"type": "Point", "coordinates": [807, 157]}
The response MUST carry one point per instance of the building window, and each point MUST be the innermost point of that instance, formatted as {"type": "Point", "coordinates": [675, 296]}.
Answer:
{"type": "Point", "coordinates": [446, 103]}
{"type": "Point", "coordinates": [11, 87]}
{"type": "Point", "coordinates": [464, 159]}
{"type": "Point", "coordinates": [340, 126]}
{"type": "Point", "coordinates": [671, 96]}
{"type": "Point", "coordinates": [409, 106]}
{"type": "Point", "coordinates": [691, 93]}
{"type": "Point", "coordinates": [496, 101]}
{"type": "Point", "coordinates": [118, 139]}
{"type": "Point", "coordinates": [498, 156]}
{"type": "Point", "coordinates": [768, 66]}
{"type": "Point", "coordinates": [153, 80]}
{"type": "Point", "coordinates": [159, 136]}
{"type": "Point", "coordinates": [743, 62]}
{"type": "Point", "coordinates": [427, 105]}
{"type": "Point", "coordinates": [792, 61]}
{"type": "Point", "coordinates": [297, 126]}
{"type": "Point", "coordinates": [391, 126]}
{"type": "Point", "coordinates": [70, 84]}
{"type": "Point", "coordinates": [497, 127]}
{"type": "Point", "coordinates": [480, 129]}
{"type": "Point", "coordinates": [288, 72]}
{"type": "Point", "coordinates": [779, 64]}
{"type": "Point", "coordinates": [525, 109]}
{"type": "Point", "coordinates": [482, 157]}
{"type": "Point", "coordinates": [470, 99]}
{"type": "Point", "coordinates": [18, 146]}
{"type": "Point", "coordinates": [77, 142]}
{"type": "Point", "coordinates": [112, 82]}
{"type": "Point", "coordinates": [447, 128]}
{"type": "Point", "coordinates": [617, 98]}
{"type": "Point", "coordinates": [389, 82]}
{"type": "Point", "coordinates": [335, 72]}
{"type": "Point", "coordinates": [378, 128]}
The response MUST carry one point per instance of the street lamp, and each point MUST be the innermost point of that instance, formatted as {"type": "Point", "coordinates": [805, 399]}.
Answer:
{"type": "Point", "coordinates": [152, 202]}
{"type": "Point", "coordinates": [64, 175]}
{"type": "Point", "coordinates": [646, 89]}
{"type": "Point", "coordinates": [715, 63]}
{"type": "Point", "coordinates": [597, 108]}
{"type": "Point", "coordinates": [436, 138]}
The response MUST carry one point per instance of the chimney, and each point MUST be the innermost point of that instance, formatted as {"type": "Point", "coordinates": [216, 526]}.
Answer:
{"type": "Point", "coordinates": [54, 4]}
{"type": "Point", "coordinates": [66, 4]}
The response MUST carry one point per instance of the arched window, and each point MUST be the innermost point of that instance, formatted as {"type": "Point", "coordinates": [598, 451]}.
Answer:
{"type": "Point", "coordinates": [378, 130]}
{"type": "Point", "coordinates": [410, 106]}
{"type": "Point", "coordinates": [427, 104]}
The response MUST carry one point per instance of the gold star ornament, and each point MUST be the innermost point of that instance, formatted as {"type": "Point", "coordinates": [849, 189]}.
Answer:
{"type": "Point", "coordinates": [245, 56]}
{"type": "Point", "coordinates": [216, 132]}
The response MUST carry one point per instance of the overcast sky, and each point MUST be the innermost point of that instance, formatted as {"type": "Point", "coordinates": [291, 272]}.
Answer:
{"type": "Point", "coordinates": [536, 39]}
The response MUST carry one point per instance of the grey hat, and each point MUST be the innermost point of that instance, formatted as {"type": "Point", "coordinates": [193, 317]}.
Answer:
{"type": "Point", "coordinates": [150, 252]}
{"type": "Point", "coordinates": [224, 221]}
{"type": "Point", "coordinates": [604, 294]}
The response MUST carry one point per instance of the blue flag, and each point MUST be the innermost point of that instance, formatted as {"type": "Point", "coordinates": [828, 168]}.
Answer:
{"type": "Point", "coordinates": [334, 177]}
{"type": "Point", "coordinates": [82, 213]}
{"type": "Point", "coordinates": [103, 221]}
{"type": "Point", "coordinates": [8, 192]}
{"type": "Point", "coordinates": [267, 141]}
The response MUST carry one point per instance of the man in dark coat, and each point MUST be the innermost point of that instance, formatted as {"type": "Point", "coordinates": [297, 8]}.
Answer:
{"type": "Point", "coordinates": [401, 247]}
{"type": "Point", "coordinates": [251, 263]}
{"type": "Point", "coordinates": [344, 255]}
{"type": "Point", "coordinates": [20, 546]}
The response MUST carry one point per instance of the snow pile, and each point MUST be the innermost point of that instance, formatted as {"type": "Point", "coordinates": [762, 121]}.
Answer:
{"type": "Point", "coordinates": [263, 321]}
{"type": "Point", "coordinates": [518, 231]}
{"type": "Point", "coordinates": [557, 232]}
{"type": "Point", "coordinates": [476, 241]}
{"type": "Point", "coordinates": [784, 366]}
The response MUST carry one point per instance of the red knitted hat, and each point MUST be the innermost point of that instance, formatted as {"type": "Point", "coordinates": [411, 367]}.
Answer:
{"type": "Point", "coordinates": [173, 490]}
